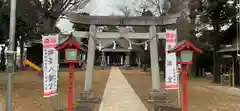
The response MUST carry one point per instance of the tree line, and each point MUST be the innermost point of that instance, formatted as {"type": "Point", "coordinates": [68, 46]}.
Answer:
{"type": "Point", "coordinates": [35, 18]}
{"type": "Point", "coordinates": [204, 26]}
{"type": "Point", "coordinates": [205, 19]}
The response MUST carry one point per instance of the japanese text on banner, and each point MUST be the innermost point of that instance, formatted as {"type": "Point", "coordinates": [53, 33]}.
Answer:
{"type": "Point", "coordinates": [171, 73]}
{"type": "Point", "coordinates": [50, 65]}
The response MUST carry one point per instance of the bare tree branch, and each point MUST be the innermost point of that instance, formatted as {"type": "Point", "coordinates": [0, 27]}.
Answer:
{"type": "Point", "coordinates": [80, 4]}
{"type": "Point", "coordinates": [125, 10]}
{"type": "Point", "coordinates": [49, 11]}
{"type": "Point", "coordinates": [65, 5]}
{"type": "Point", "coordinates": [153, 2]}
{"type": "Point", "coordinates": [60, 6]}
{"type": "Point", "coordinates": [51, 4]}
{"type": "Point", "coordinates": [37, 3]}
{"type": "Point", "coordinates": [157, 5]}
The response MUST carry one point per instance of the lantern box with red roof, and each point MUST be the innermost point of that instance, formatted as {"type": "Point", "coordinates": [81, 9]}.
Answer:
{"type": "Point", "coordinates": [185, 51]}
{"type": "Point", "coordinates": [71, 48]}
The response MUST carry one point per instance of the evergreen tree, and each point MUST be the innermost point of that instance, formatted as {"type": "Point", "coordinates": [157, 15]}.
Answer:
{"type": "Point", "coordinates": [215, 14]}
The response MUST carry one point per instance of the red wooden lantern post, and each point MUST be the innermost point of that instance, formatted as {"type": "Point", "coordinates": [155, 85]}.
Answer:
{"type": "Point", "coordinates": [71, 48]}
{"type": "Point", "coordinates": [185, 51]}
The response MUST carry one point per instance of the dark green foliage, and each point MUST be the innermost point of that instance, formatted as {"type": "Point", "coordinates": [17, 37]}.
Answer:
{"type": "Point", "coordinates": [34, 18]}
{"type": "Point", "coordinates": [25, 23]}
{"type": "Point", "coordinates": [215, 13]}
{"type": "Point", "coordinates": [4, 18]}
{"type": "Point", "coordinates": [2, 63]}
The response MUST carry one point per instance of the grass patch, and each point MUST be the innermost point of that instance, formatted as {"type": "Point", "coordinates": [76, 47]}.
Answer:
{"type": "Point", "coordinates": [1, 73]}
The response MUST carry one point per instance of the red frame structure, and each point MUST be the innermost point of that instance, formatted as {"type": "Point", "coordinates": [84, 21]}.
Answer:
{"type": "Point", "coordinates": [70, 43]}
{"type": "Point", "coordinates": [185, 46]}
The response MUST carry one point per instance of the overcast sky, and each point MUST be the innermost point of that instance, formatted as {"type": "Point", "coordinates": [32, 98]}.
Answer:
{"type": "Point", "coordinates": [95, 7]}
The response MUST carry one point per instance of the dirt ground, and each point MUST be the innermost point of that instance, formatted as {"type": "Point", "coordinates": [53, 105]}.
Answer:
{"type": "Point", "coordinates": [200, 98]}
{"type": "Point", "coordinates": [28, 90]}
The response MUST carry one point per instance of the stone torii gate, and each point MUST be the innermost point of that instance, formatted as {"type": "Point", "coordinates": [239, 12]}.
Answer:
{"type": "Point", "coordinates": [156, 94]}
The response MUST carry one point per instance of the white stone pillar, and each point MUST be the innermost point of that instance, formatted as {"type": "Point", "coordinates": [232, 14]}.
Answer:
{"type": "Point", "coordinates": [121, 60]}
{"type": "Point", "coordinates": [90, 59]}
{"type": "Point", "coordinates": [108, 60]}
{"type": "Point", "coordinates": [154, 58]}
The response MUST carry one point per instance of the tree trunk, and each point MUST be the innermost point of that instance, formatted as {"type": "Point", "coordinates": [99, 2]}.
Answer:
{"type": "Point", "coordinates": [2, 63]}
{"type": "Point", "coordinates": [21, 52]}
{"type": "Point", "coordinates": [49, 26]}
{"type": "Point", "coordinates": [216, 47]}
{"type": "Point", "coordinates": [161, 54]}
{"type": "Point", "coordinates": [192, 67]}
{"type": "Point", "coordinates": [15, 49]}
{"type": "Point", "coordinates": [236, 69]}
{"type": "Point", "coordinates": [216, 65]}
{"type": "Point", "coordinates": [146, 61]}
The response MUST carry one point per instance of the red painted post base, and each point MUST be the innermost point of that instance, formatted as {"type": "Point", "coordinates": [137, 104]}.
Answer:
{"type": "Point", "coordinates": [70, 86]}
{"type": "Point", "coordinates": [184, 80]}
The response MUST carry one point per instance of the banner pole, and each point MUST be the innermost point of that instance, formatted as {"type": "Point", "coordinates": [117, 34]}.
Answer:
{"type": "Point", "coordinates": [179, 91]}
{"type": "Point", "coordinates": [184, 82]}
{"type": "Point", "coordinates": [57, 96]}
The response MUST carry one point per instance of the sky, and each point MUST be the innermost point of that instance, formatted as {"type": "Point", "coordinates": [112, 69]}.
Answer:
{"type": "Point", "coordinates": [95, 7]}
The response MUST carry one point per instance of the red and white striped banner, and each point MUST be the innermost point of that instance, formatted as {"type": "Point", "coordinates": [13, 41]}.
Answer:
{"type": "Point", "coordinates": [171, 73]}
{"type": "Point", "coordinates": [50, 64]}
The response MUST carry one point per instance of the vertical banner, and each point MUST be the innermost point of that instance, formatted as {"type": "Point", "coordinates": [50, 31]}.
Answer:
{"type": "Point", "coordinates": [171, 73]}
{"type": "Point", "coordinates": [50, 64]}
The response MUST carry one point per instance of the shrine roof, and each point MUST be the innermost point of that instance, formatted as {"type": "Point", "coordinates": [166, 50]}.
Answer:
{"type": "Point", "coordinates": [70, 42]}
{"type": "Point", "coordinates": [182, 45]}
{"type": "Point", "coordinates": [230, 49]}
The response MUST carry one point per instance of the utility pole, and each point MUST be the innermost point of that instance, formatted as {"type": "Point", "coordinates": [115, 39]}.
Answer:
{"type": "Point", "coordinates": [10, 54]}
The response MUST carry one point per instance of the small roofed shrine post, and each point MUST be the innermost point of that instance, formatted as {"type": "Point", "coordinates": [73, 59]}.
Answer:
{"type": "Point", "coordinates": [70, 86]}
{"type": "Point", "coordinates": [71, 48]}
{"type": "Point", "coordinates": [184, 80]}
{"type": "Point", "coordinates": [185, 51]}
{"type": "Point", "coordinates": [88, 94]}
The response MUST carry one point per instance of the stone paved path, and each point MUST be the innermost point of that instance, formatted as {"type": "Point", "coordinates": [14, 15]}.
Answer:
{"type": "Point", "coordinates": [119, 95]}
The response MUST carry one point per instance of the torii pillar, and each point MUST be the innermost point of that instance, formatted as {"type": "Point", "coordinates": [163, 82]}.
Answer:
{"type": "Point", "coordinates": [89, 95]}
{"type": "Point", "coordinates": [156, 94]}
